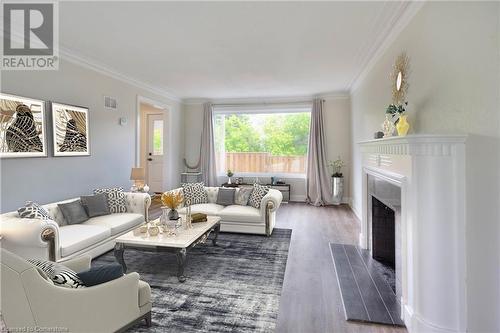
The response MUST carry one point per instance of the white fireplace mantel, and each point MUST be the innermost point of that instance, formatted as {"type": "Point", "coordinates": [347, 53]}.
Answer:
{"type": "Point", "coordinates": [430, 170]}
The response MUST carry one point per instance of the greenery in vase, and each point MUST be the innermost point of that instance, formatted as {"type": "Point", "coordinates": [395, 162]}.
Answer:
{"type": "Point", "coordinates": [336, 167]}
{"type": "Point", "coordinates": [396, 110]}
{"type": "Point", "coordinates": [230, 173]}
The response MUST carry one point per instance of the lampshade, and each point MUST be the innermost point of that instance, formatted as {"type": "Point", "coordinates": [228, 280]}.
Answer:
{"type": "Point", "coordinates": [137, 174]}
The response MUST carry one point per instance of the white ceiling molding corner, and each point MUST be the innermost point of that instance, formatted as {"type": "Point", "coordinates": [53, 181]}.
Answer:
{"type": "Point", "coordinates": [94, 65]}
{"type": "Point", "coordinates": [400, 20]}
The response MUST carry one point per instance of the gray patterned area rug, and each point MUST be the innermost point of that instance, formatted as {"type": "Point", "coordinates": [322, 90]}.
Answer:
{"type": "Point", "coordinates": [232, 287]}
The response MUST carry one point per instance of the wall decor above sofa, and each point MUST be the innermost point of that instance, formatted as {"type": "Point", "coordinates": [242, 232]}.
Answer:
{"type": "Point", "coordinates": [22, 127]}
{"type": "Point", "coordinates": [70, 126]}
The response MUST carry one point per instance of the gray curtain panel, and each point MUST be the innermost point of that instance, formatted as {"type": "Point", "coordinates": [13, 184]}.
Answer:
{"type": "Point", "coordinates": [318, 185]}
{"type": "Point", "coordinates": [207, 153]}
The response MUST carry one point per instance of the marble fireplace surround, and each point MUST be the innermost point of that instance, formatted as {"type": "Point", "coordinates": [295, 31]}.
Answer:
{"type": "Point", "coordinates": [430, 171]}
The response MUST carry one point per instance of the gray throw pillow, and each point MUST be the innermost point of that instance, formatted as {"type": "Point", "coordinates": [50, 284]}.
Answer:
{"type": "Point", "coordinates": [95, 205]}
{"type": "Point", "coordinates": [73, 212]}
{"type": "Point", "coordinates": [225, 196]}
{"type": "Point", "coordinates": [242, 195]}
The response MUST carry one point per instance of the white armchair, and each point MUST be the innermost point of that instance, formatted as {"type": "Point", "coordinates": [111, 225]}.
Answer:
{"type": "Point", "coordinates": [29, 300]}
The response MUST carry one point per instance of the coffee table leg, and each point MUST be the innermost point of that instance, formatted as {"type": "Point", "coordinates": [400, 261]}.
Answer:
{"type": "Point", "coordinates": [119, 249]}
{"type": "Point", "coordinates": [216, 234]}
{"type": "Point", "coordinates": [181, 262]}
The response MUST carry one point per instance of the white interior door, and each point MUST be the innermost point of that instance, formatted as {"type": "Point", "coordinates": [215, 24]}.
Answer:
{"type": "Point", "coordinates": [154, 158]}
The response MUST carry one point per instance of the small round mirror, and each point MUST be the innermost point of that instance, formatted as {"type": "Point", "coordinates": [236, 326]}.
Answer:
{"type": "Point", "coordinates": [399, 79]}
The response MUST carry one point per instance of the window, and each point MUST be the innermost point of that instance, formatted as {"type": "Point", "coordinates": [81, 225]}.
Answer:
{"type": "Point", "coordinates": [157, 137]}
{"type": "Point", "coordinates": [262, 142]}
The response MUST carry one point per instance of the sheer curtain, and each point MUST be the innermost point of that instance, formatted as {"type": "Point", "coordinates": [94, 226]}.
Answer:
{"type": "Point", "coordinates": [207, 148]}
{"type": "Point", "coordinates": [318, 189]}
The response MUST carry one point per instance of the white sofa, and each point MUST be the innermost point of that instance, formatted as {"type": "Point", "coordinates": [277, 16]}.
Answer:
{"type": "Point", "coordinates": [56, 240]}
{"type": "Point", "coordinates": [241, 219]}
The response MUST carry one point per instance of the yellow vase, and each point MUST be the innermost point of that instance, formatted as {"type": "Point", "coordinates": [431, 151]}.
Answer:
{"type": "Point", "coordinates": [402, 126]}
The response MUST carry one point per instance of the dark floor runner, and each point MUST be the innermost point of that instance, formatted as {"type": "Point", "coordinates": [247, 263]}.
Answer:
{"type": "Point", "coordinates": [366, 296]}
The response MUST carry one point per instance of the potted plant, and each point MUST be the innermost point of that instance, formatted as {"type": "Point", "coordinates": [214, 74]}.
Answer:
{"type": "Point", "coordinates": [229, 175]}
{"type": "Point", "coordinates": [337, 180]}
{"type": "Point", "coordinates": [171, 200]}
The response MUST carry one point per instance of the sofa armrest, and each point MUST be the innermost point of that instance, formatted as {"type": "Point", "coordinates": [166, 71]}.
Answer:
{"type": "Point", "coordinates": [274, 197]}
{"type": "Point", "coordinates": [30, 237]}
{"type": "Point", "coordinates": [138, 202]}
{"type": "Point", "coordinates": [79, 264]}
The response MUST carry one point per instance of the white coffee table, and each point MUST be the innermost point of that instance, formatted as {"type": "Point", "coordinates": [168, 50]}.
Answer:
{"type": "Point", "coordinates": [184, 240]}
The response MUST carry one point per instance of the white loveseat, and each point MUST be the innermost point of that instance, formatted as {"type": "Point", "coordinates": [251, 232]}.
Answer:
{"type": "Point", "coordinates": [241, 219]}
{"type": "Point", "coordinates": [56, 240]}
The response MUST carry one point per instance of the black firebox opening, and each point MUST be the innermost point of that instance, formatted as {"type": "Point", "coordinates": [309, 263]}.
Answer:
{"type": "Point", "coordinates": [383, 233]}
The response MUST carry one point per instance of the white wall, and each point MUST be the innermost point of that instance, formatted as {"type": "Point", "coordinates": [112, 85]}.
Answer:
{"type": "Point", "coordinates": [454, 88]}
{"type": "Point", "coordinates": [112, 146]}
{"type": "Point", "coordinates": [337, 128]}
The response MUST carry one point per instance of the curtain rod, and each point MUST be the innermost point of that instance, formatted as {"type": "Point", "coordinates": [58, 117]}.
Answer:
{"type": "Point", "coordinates": [263, 103]}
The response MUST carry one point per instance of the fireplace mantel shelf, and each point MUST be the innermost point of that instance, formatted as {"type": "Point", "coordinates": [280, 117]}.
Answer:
{"type": "Point", "coordinates": [417, 144]}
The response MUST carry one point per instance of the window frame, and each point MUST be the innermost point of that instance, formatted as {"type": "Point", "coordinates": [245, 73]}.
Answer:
{"type": "Point", "coordinates": [262, 109]}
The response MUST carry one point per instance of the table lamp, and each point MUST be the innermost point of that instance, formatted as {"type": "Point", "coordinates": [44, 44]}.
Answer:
{"type": "Point", "coordinates": [138, 176]}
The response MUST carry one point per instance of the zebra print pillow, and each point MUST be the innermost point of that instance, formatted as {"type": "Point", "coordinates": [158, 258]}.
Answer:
{"type": "Point", "coordinates": [116, 199]}
{"type": "Point", "coordinates": [59, 274]}
{"type": "Point", "coordinates": [32, 210]}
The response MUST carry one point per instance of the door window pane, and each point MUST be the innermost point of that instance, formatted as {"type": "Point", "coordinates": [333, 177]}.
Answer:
{"type": "Point", "coordinates": [157, 137]}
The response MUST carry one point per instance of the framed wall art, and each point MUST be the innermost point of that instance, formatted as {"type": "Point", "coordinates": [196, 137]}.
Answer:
{"type": "Point", "coordinates": [70, 127]}
{"type": "Point", "coordinates": [22, 127]}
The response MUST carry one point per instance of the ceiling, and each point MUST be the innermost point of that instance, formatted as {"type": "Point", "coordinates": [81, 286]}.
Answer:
{"type": "Point", "coordinates": [229, 49]}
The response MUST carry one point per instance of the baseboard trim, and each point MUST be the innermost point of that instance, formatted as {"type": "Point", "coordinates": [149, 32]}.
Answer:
{"type": "Point", "coordinates": [356, 213]}
{"type": "Point", "coordinates": [298, 198]}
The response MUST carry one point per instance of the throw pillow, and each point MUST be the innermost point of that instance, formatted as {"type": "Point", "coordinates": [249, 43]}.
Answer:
{"type": "Point", "coordinates": [95, 205]}
{"type": "Point", "coordinates": [32, 210]}
{"type": "Point", "coordinates": [242, 195]}
{"type": "Point", "coordinates": [258, 193]}
{"type": "Point", "coordinates": [73, 212]}
{"type": "Point", "coordinates": [225, 196]}
{"type": "Point", "coordinates": [101, 274]}
{"type": "Point", "coordinates": [61, 275]}
{"type": "Point", "coordinates": [116, 199]}
{"type": "Point", "coordinates": [195, 192]}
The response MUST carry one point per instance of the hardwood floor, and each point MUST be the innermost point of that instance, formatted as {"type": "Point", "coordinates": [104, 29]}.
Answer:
{"type": "Point", "coordinates": [310, 300]}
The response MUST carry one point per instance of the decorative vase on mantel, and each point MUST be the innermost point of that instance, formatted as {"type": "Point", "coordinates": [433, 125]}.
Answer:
{"type": "Point", "coordinates": [387, 126]}
{"type": "Point", "coordinates": [403, 126]}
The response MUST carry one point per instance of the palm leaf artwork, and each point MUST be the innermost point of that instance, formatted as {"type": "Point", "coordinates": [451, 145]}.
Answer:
{"type": "Point", "coordinates": [61, 119]}
{"type": "Point", "coordinates": [7, 111]}
{"type": "Point", "coordinates": [81, 120]}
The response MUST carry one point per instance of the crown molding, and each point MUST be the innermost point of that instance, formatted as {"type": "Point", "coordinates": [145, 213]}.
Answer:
{"type": "Point", "coordinates": [96, 66]}
{"type": "Point", "coordinates": [264, 100]}
{"type": "Point", "coordinates": [397, 22]}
